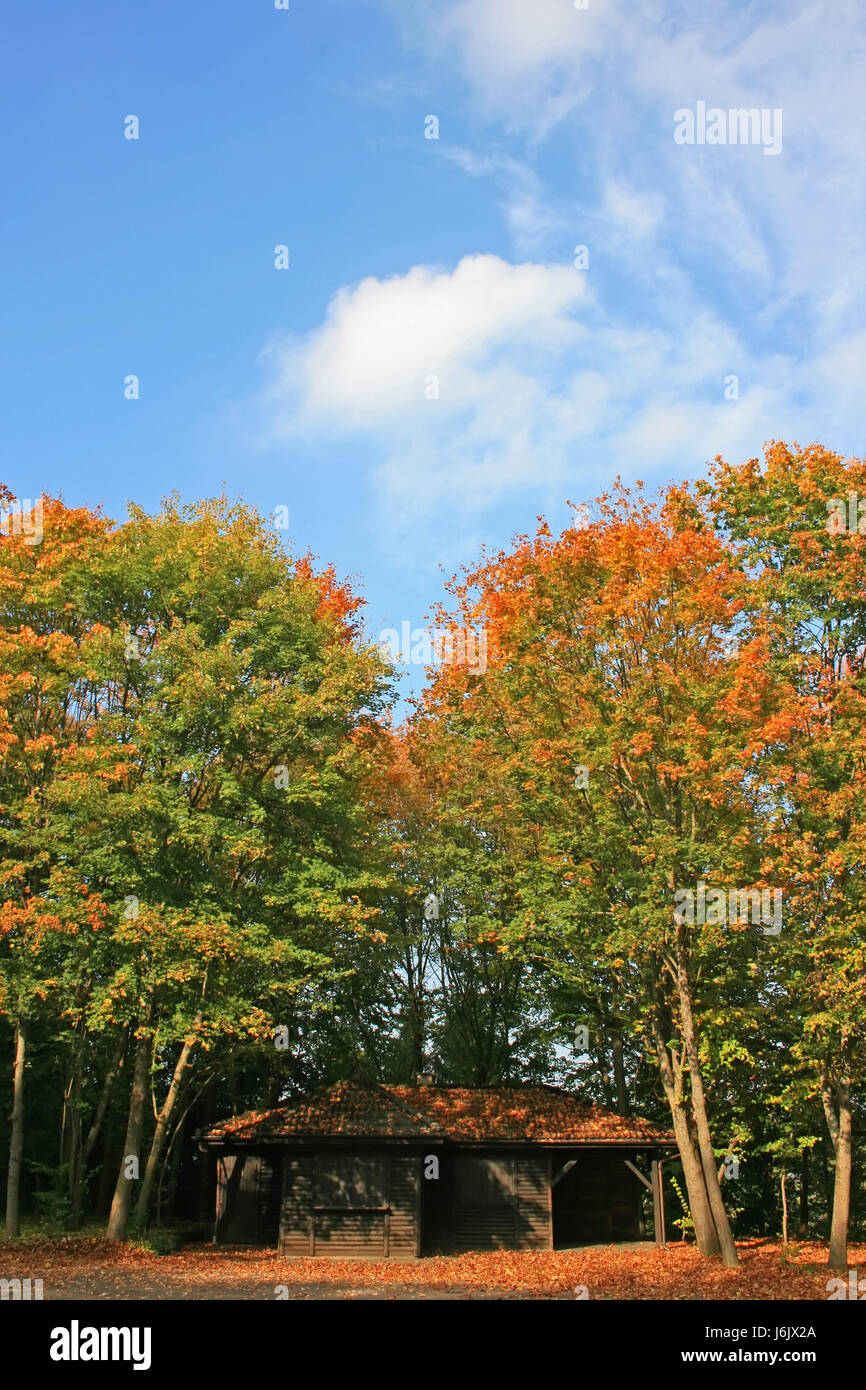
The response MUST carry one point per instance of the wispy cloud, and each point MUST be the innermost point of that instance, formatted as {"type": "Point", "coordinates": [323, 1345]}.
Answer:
{"type": "Point", "coordinates": [722, 304]}
{"type": "Point", "coordinates": [475, 384]}
{"type": "Point", "coordinates": [536, 223]}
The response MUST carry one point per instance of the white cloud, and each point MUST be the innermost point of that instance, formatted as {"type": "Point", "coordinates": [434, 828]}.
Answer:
{"type": "Point", "coordinates": [368, 364]}
{"type": "Point", "coordinates": [523, 57]}
{"type": "Point", "coordinates": [705, 262]}
{"type": "Point", "coordinates": [495, 336]}
{"type": "Point", "coordinates": [539, 388]}
{"type": "Point", "coordinates": [533, 378]}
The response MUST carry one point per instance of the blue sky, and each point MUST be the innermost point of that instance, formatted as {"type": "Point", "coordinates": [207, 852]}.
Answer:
{"type": "Point", "coordinates": [413, 258]}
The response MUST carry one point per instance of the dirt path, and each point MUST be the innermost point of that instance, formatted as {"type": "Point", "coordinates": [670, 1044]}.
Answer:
{"type": "Point", "coordinates": [132, 1288]}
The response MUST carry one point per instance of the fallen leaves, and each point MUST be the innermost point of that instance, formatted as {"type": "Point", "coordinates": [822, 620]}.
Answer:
{"type": "Point", "coordinates": [84, 1268]}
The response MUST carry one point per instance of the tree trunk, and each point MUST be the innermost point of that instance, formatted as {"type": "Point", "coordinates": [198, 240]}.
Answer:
{"type": "Point", "coordinates": [119, 1216]}
{"type": "Point", "coordinates": [79, 1176]}
{"type": "Point", "coordinates": [784, 1209]}
{"type": "Point", "coordinates": [173, 1160]}
{"type": "Point", "coordinates": [604, 1075]}
{"type": "Point", "coordinates": [70, 1128]}
{"type": "Point", "coordinates": [110, 1151]}
{"type": "Point", "coordinates": [838, 1258]}
{"type": "Point", "coordinates": [415, 999]}
{"type": "Point", "coordinates": [619, 1075]}
{"type": "Point", "coordinates": [803, 1223]}
{"type": "Point", "coordinates": [699, 1109]}
{"type": "Point", "coordinates": [826, 1175]}
{"type": "Point", "coordinates": [672, 1080]}
{"type": "Point", "coordinates": [73, 1156]}
{"type": "Point", "coordinates": [204, 1121]}
{"type": "Point", "coordinates": [16, 1142]}
{"type": "Point", "coordinates": [163, 1122]}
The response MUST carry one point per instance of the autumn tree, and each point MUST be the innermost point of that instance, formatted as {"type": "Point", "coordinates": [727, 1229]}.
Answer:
{"type": "Point", "coordinates": [47, 631]}
{"type": "Point", "coordinates": [210, 800]}
{"type": "Point", "coordinates": [797, 522]}
{"type": "Point", "coordinates": [612, 734]}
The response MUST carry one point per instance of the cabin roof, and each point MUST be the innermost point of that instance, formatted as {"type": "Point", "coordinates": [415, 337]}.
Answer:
{"type": "Point", "coordinates": [459, 1114]}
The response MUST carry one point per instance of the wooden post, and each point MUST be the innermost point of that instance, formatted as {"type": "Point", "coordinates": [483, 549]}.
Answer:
{"type": "Point", "coordinates": [284, 1203]}
{"type": "Point", "coordinates": [658, 1205]}
{"type": "Point", "coordinates": [656, 1201]}
{"type": "Point", "coordinates": [551, 1244]}
{"type": "Point", "coordinates": [418, 1169]}
{"type": "Point", "coordinates": [220, 1190]}
{"type": "Point", "coordinates": [387, 1198]}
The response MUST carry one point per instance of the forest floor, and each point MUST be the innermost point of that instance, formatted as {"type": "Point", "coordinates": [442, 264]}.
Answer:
{"type": "Point", "coordinates": [81, 1267]}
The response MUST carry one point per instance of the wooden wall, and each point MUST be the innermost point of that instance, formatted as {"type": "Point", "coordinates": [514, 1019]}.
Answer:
{"type": "Point", "coordinates": [532, 1179]}
{"type": "Point", "coordinates": [376, 1203]}
{"type": "Point", "coordinates": [350, 1205]}
{"type": "Point", "coordinates": [488, 1201]}
{"type": "Point", "coordinates": [297, 1203]}
{"type": "Point", "coordinates": [248, 1198]}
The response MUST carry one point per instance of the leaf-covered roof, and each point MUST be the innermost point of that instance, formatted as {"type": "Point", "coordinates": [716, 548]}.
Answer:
{"type": "Point", "coordinates": [469, 1115]}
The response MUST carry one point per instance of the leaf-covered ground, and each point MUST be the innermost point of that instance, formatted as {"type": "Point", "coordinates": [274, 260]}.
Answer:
{"type": "Point", "coordinates": [83, 1268]}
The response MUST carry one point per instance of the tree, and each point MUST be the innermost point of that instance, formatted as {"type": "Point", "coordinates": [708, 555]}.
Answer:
{"type": "Point", "coordinates": [613, 649]}
{"type": "Point", "coordinates": [47, 631]}
{"type": "Point", "coordinates": [209, 797]}
{"type": "Point", "coordinates": [808, 567]}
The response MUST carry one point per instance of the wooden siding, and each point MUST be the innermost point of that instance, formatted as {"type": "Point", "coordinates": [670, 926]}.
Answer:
{"type": "Point", "coordinates": [248, 1208]}
{"type": "Point", "coordinates": [350, 1235]}
{"type": "Point", "coordinates": [296, 1211]}
{"type": "Point", "coordinates": [404, 1241]}
{"type": "Point", "coordinates": [269, 1198]}
{"type": "Point", "coordinates": [533, 1202]}
{"type": "Point", "coordinates": [488, 1201]}
{"type": "Point", "coordinates": [350, 1206]}
{"type": "Point", "coordinates": [376, 1204]}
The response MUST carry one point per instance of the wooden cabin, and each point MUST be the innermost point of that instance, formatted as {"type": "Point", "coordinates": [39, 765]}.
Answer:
{"type": "Point", "coordinates": [365, 1171]}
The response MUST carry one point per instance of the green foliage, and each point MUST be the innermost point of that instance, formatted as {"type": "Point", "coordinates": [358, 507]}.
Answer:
{"type": "Point", "coordinates": [155, 1241]}
{"type": "Point", "coordinates": [209, 830]}
{"type": "Point", "coordinates": [683, 1222]}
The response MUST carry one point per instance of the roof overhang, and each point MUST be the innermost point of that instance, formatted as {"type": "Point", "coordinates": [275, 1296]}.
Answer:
{"type": "Point", "coordinates": [343, 1141]}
